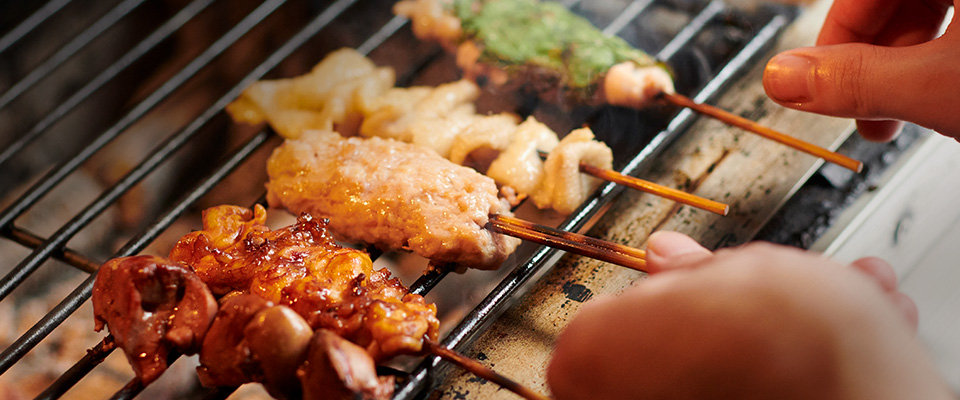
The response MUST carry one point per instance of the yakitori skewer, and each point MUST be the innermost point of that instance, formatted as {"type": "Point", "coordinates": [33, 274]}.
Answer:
{"type": "Point", "coordinates": [481, 370]}
{"type": "Point", "coordinates": [679, 196]}
{"type": "Point", "coordinates": [602, 250]}
{"type": "Point", "coordinates": [483, 35]}
{"type": "Point", "coordinates": [751, 126]}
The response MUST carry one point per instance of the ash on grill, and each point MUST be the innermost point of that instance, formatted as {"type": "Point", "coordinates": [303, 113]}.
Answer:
{"type": "Point", "coordinates": [114, 138]}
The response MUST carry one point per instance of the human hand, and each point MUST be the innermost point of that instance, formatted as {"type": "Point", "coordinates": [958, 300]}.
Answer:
{"type": "Point", "coordinates": [676, 251]}
{"type": "Point", "coordinates": [758, 321]}
{"type": "Point", "coordinates": [876, 61]}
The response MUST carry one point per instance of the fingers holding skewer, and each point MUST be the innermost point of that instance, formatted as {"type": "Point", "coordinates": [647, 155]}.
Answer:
{"type": "Point", "coordinates": [751, 126]}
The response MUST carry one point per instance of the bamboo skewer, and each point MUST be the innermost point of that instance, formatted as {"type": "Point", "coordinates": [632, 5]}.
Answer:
{"type": "Point", "coordinates": [602, 250]}
{"type": "Point", "coordinates": [751, 126]}
{"type": "Point", "coordinates": [652, 188]}
{"type": "Point", "coordinates": [481, 370]}
{"type": "Point", "coordinates": [659, 190]}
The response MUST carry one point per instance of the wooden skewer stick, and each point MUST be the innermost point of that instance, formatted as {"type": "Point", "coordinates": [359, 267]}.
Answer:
{"type": "Point", "coordinates": [652, 188]}
{"type": "Point", "coordinates": [602, 250]}
{"type": "Point", "coordinates": [751, 126]}
{"type": "Point", "coordinates": [481, 370]}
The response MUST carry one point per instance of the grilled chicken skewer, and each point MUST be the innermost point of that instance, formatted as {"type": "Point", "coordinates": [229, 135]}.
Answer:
{"type": "Point", "coordinates": [393, 195]}
{"type": "Point", "coordinates": [289, 299]}
{"type": "Point", "coordinates": [346, 91]}
{"type": "Point", "coordinates": [546, 48]}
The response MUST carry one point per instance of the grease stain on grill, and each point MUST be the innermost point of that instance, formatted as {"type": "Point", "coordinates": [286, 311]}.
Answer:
{"type": "Point", "coordinates": [477, 379]}
{"type": "Point", "coordinates": [576, 292]}
{"type": "Point", "coordinates": [458, 395]}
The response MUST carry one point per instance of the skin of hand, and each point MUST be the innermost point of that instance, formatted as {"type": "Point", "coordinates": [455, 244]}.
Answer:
{"type": "Point", "coordinates": [755, 322]}
{"type": "Point", "coordinates": [876, 61]}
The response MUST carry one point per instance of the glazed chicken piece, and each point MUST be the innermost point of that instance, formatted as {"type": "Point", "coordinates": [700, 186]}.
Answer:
{"type": "Point", "coordinates": [562, 56]}
{"type": "Point", "coordinates": [392, 195]}
{"type": "Point", "coordinates": [152, 306]}
{"type": "Point", "coordinates": [338, 369]}
{"type": "Point", "coordinates": [253, 340]}
{"type": "Point", "coordinates": [300, 266]}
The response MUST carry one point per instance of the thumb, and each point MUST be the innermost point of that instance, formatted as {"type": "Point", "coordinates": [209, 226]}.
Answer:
{"type": "Point", "coordinates": [868, 82]}
{"type": "Point", "coordinates": [673, 250]}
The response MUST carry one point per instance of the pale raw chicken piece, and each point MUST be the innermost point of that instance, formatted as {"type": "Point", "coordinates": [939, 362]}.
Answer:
{"type": "Point", "coordinates": [331, 96]}
{"type": "Point", "coordinates": [564, 186]}
{"type": "Point", "coordinates": [439, 134]}
{"type": "Point", "coordinates": [630, 85]}
{"type": "Point", "coordinates": [483, 140]}
{"type": "Point", "coordinates": [431, 20]}
{"type": "Point", "coordinates": [392, 195]}
{"type": "Point", "coordinates": [424, 116]}
{"type": "Point", "coordinates": [520, 165]}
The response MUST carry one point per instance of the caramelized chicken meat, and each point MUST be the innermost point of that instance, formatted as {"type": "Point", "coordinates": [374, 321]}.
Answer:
{"type": "Point", "coordinates": [338, 369]}
{"type": "Point", "coordinates": [300, 266]}
{"type": "Point", "coordinates": [152, 306]}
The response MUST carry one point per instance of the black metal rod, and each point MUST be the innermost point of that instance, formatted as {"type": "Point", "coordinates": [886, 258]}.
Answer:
{"type": "Point", "coordinates": [54, 177]}
{"type": "Point", "coordinates": [75, 299]}
{"type": "Point", "coordinates": [626, 16]}
{"type": "Point", "coordinates": [67, 51]}
{"type": "Point", "coordinates": [144, 46]}
{"type": "Point", "coordinates": [30, 264]}
{"type": "Point", "coordinates": [690, 30]}
{"type": "Point", "coordinates": [33, 21]}
{"type": "Point", "coordinates": [67, 255]}
{"type": "Point", "coordinates": [68, 379]}
{"type": "Point", "coordinates": [429, 279]}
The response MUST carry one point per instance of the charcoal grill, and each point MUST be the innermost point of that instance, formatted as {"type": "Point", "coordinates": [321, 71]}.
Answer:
{"type": "Point", "coordinates": [710, 46]}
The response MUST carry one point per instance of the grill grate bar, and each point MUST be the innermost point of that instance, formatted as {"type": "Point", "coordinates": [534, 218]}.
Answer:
{"type": "Point", "coordinates": [31, 263]}
{"type": "Point", "coordinates": [65, 381]}
{"type": "Point", "coordinates": [155, 38]}
{"type": "Point", "coordinates": [51, 179]}
{"type": "Point", "coordinates": [691, 30]}
{"type": "Point", "coordinates": [72, 257]}
{"type": "Point", "coordinates": [33, 21]}
{"type": "Point", "coordinates": [382, 35]}
{"type": "Point", "coordinates": [71, 48]}
{"type": "Point", "coordinates": [75, 299]}
{"type": "Point", "coordinates": [626, 16]}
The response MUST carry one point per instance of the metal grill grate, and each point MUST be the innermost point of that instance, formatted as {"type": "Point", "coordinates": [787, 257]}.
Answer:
{"type": "Point", "coordinates": [710, 46]}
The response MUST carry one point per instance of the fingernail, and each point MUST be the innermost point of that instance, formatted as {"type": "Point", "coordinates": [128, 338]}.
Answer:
{"type": "Point", "coordinates": [673, 244]}
{"type": "Point", "coordinates": [789, 78]}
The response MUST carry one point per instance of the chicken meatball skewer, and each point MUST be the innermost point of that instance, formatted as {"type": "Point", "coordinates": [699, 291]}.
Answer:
{"type": "Point", "coordinates": [393, 195]}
